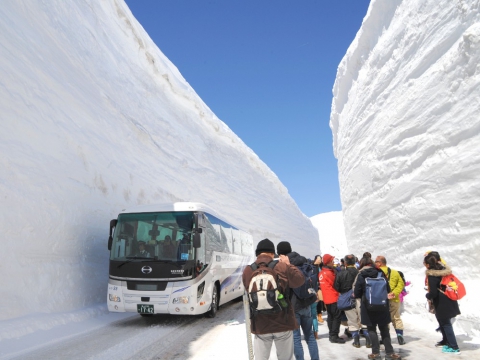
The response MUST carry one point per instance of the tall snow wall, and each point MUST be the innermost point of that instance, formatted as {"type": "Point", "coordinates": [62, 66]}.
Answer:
{"type": "Point", "coordinates": [406, 133]}
{"type": "Point", "coordinates": [94, 119]}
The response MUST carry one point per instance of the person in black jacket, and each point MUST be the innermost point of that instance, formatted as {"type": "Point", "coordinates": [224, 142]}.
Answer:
{"type": "Point", "coordinates": [317, 262]}
{"type": "Point", "coordinates": [343, 283]}
{"type": "Point", "coordinates": [445, 308]}
{"type": "Point", "coordinates": [372, 319]}
{"type": "Point", "coordinates": [303, 314]}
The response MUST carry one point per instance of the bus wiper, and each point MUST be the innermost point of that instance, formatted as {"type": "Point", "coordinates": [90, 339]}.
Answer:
{"type": "Point", "coordinates": [131, 258]}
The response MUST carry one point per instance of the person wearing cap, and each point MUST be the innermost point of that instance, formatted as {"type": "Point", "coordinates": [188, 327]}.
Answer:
{"type": "Point", "coordinates": [276, 327]}
{"type": "Point", "coordinates": [141, 249]}
{"type": "Point", "coordinates": [303, 314]}
{"type": "Point", "coordinates": [330, 297]}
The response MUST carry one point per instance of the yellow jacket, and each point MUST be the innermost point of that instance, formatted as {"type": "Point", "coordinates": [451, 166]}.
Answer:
{"type": "Point", "coordinates": [395, 281]}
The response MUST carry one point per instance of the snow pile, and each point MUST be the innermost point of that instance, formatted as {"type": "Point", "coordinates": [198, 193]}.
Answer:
{"type": "Point", "coordinates": [94, 119]}
{"type": "Point", "coordinates": [406, 127]}
{"type": "Point", "coordinates": [332, 234]}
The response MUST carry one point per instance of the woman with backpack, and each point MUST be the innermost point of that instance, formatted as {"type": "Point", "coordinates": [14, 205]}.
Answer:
{"type": "Point", "coordinates": [445, 308]}
{"type": "Point", "coordinates": [373, 318]}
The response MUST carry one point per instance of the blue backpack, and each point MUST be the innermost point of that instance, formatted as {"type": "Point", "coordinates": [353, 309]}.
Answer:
{"type": "Point", "coordinates": [307, 293]}
{"type": "Point", "coordinates": [376, 293]}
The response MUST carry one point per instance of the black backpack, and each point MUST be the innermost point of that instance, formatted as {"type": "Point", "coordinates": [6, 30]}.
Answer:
{"type": "Point", "coordinates": [307, 293]}
{"type": "Point", "coordinates": [400, 273]}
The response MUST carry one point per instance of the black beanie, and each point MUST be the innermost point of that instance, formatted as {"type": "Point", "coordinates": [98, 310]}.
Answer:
{"type": "Point", "coordinates": [284, 248]}
{"type": "Point", "coordinates": [265, 246]}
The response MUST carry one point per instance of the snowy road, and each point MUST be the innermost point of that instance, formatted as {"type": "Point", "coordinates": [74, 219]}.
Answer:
{"type": "Point", "coordinates": [201, 338]}
{"type": "Point", "coordinates": [157, 337]}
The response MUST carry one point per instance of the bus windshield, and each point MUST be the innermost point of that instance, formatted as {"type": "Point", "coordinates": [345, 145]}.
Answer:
{"type": "Point", "coordinates": [165, 236]}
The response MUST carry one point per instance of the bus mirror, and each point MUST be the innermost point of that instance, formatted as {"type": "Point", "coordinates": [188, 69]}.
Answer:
{"type": "Point", "coordinates": [196, 240]}
{"type": "Point", "coordinates": [113, 223]}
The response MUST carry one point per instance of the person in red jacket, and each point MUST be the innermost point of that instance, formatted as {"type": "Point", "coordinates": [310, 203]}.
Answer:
{"type": "Point", "coordinates": [330, 297]}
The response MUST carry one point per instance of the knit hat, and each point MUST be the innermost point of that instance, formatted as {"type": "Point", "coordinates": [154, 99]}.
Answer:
{"type": "Point", "coordinates": [284, 248]}
{"type": "Point", "coordinates": [327, 258]}
{"type": "Point", "coordinates": [265, 246]}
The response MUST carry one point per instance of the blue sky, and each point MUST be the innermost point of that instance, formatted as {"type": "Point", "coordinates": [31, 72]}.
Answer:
{"type": "Point", "coordinates": [266, 69]}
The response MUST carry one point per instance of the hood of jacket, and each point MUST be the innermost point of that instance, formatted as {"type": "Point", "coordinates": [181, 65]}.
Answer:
{"type": "Point", "coordinates": [296, 259]}
{"type": "Point", "coordinates": [369, 271]}
{"type": "Point", "coordinates": [440, 273]}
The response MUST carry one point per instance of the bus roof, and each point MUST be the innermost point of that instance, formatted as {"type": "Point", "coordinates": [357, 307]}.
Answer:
{"type": "Point", "coordinates": [177, 206]}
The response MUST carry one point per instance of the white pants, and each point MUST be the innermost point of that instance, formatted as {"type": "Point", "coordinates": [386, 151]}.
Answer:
{"type": "Point", "coordinates": [353, 316]}
{"type": "Point", "coordinates": [283, 343]}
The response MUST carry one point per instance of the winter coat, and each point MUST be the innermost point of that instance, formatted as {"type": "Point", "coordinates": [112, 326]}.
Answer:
{"type": "Point", "coordinates": [370, 318]}
{"type": "Point", "coordinates": [327, 279]}
{"type": "Point", "coordinates": [395, 281]}
{"type": "Point", "coordinates": [445, 308]}
{"type": "Point", "coordinates": [289, 276]}
{"type": "Point", "coordinates": [297, 260]}
{"type": "Point", "coordinates": [345, 278]}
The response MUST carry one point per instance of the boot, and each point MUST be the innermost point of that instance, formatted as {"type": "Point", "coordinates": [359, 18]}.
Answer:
{"type": "Point", "coordinates": [368, 342]}
{"type": "Point", "coordinates": [347, 332]}
{"type": "Point", "coordinates": [315, 335]}
{"type": "Point", "coordinates": [393, 357]}
{"type": "Point", "coordinates": [401, 340]}
{"type": "Point", "coordinates": [320, 319]}
{"type": "Point", "coordinates": [374, 356]}
{"type": "Point", "coordinates": [441, 343]}
{"type": "Point", "coordinates": [336, 340]}
{"type": "Point", "coordinates": [356, 341]}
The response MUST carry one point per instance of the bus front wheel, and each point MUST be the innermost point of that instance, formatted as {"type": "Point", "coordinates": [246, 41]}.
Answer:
{"type": "Point", "coordinates": [214, 307]}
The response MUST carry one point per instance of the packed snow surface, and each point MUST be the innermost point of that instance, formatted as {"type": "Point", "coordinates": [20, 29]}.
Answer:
{"type": "Point", "coordinates": [96, 119]}
{"type": "Point", "coordinates": [406, 133]}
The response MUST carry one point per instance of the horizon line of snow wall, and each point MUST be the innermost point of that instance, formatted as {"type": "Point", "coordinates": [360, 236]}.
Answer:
{"type": "Point", "coordinates": [406, 127]}
{"type": "Point", "coordinates": [96, 119]}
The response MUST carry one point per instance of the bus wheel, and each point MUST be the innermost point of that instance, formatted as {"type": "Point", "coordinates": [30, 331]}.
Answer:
{"type": "Point", "coordinates": [214, 307]}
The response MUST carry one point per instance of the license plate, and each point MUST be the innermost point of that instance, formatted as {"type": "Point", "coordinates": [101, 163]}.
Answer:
{"type": "Point", "coordinates": [145, 309]}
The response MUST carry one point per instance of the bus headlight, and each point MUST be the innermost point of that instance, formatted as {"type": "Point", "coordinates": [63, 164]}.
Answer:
{"type": "Point", "coordinates": [113, 297]}
{"type": "Point", "coordinates": [181, 300]}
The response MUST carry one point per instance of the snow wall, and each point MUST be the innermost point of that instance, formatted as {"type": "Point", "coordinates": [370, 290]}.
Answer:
{"type": "Point", "coordinates": [94, 119]}
{"type": "Point", "coordinates": [406, 133]}
{"type": "Point", "coordinates": [332, 232]}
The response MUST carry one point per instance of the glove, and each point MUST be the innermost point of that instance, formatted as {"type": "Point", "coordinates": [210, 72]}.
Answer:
{"type": "Point", "coordinates": [428, 296]}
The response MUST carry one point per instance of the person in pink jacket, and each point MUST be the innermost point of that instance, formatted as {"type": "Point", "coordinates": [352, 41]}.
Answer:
{"type": "Point", "coordinates": [330, 297]}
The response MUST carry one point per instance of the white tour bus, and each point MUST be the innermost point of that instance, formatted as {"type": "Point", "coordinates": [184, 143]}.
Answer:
{"type": "Point", "coordinates": [179, 258]}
